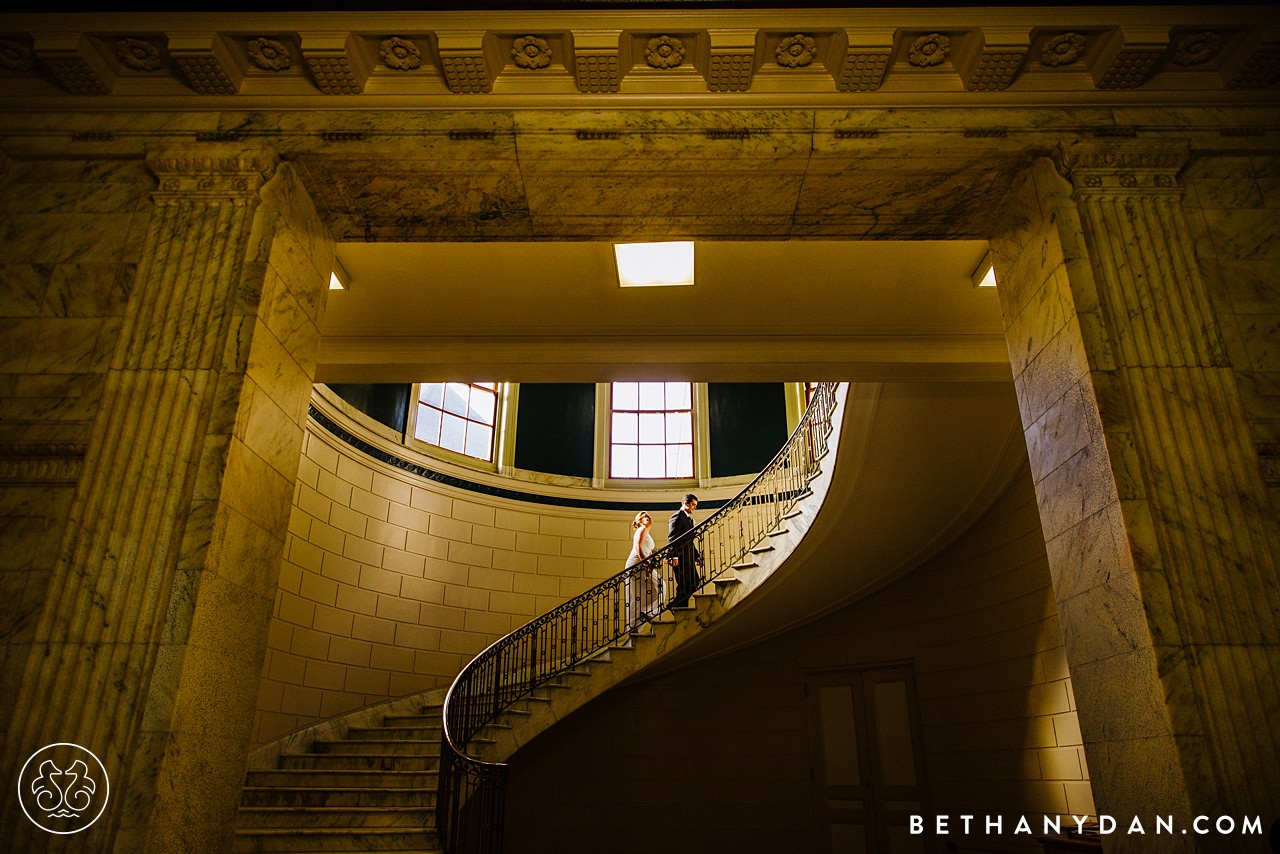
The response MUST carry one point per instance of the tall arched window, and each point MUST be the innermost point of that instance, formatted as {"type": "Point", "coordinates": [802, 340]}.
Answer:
{"type": "Point", "coordinates": [458, 417]}
{"type": "Point", "coordinates": [651, 430]}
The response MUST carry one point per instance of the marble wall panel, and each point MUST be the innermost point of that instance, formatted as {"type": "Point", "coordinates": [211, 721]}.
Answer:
{"type": "Point", "coordinates": [24, 292]}
{"type": "Point", "coordinates": [1225, 194]}
{"type": "Point", "coordinates": [67, 224]}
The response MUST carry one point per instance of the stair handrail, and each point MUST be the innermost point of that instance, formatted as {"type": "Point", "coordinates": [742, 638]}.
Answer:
{"type": "Point", "coordinates": [470, 799]}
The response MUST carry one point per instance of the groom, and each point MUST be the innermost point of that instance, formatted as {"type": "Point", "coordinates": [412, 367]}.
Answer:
{"type": "Point", "coordinates": [687, 558]}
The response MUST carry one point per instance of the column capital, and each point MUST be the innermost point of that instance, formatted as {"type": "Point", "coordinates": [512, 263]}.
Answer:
{"type": "Point", "coordinates": [1121, 165]}
{"type": "Point", "coordinates": [214, 171]}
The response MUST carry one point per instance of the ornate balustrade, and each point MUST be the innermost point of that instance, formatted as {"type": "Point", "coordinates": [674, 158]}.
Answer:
{"type": "Point", "coordinates": [470, 804]}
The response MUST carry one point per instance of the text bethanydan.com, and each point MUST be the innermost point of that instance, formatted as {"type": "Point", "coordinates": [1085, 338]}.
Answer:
{"type": "Point", "coordinates": [1105, 825]}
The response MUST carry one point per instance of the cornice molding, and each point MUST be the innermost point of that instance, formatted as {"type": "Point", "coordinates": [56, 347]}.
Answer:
{"type": "Point", "coordinates": [40, 462]}
{"type": "Point", "coordinates": [1121, 154]}
{"type": "Point", "coordinates": [511, 57]}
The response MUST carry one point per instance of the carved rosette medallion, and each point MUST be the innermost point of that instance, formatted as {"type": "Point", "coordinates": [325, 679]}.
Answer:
{"type": "Point", "coordinates": [269, 54]}
{"type": "Point", "coordinates": [1197, 48]}
{"type": "Point", "coordinates": [664, 52]}
{"type": "Point", "coordinates": [1063, 50]}
{"type": "Point", "coordinates": [138, 54]}
{"type": "Point", "coordinates": [16, 56]}
{"type": "Point", "coordinates": [531, 52]}
{"type": "Point", "coordinates": [796, 51]}
{"type": "Point", "coordinates": [400, 53]}
{"type": "Point", "coordinates": [929, 50]}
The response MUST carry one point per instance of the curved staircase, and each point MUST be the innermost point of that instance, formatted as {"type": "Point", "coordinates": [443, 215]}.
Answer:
{"type": "Point", "coordinates": [366, 784]}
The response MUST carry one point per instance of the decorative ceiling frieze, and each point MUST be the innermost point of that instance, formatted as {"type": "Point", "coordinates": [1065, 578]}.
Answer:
{"type": "Point", "coordinates": [912, 52]}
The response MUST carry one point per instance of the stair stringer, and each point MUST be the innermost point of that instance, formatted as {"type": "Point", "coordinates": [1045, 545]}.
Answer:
{"type": "Point", "coordinates": [552, 702]}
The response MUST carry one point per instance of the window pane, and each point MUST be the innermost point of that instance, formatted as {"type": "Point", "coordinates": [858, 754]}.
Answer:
{"type": "Point", "coordinates": [679, 427]}
{"type": "Point", "coordinates": [658, 417]}
{"type": "Point", "coordinates": [623, 461]}
{"type": "Point", "coordinates": [839, 736]}
{"type": "Point", "coordinates": [428, 426]}
{"type": "Point", "coordinates": [455, 398]}
{"type": "Point", "coordinates": [625, 396]}
{"type": "Point", "coordinates": [897, 760]}
{"type": "Point", "coordinates": [482, 406]}
{"type": "Point", "coordinates": [652, 396]}
{"type": "Point", "coordinates": [458, 417]}
{"type": "Point", "coordinates": [651, 461]}
{"type": "Point", "coordinates": [432, 394]}
{"type": "Point", "coordinates": [452, 433]}
{"type": "Point", "coordinates": [680, 461]}
{"type": "Point", "coordinates": [678, 395]}
{"type": "Point", "coordinates": [651, 431]}
{"type": "Point", "coordinates": [479, 441]}
{"type": "Point", "coordinates": [625, 427]}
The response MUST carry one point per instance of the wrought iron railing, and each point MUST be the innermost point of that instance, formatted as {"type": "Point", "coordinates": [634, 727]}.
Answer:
{"type": "Point", "coordinates": [471, 797]}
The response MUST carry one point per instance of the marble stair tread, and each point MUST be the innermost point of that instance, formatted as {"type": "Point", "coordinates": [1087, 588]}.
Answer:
{"type": "Point", "coordinates": [355, 761]}
{"type": "Point", "coordinates": [762, 549]}
{"type": "Point", "coordinates": [325, 839]}
{"type": "Point", "coordinates": [333, 796]}
{"type": "Point", "coordinates": [415, 817]}
{"type": "Point", "coordinates": [411, 720]}
{"type": "Point", "coordinates": [308, 778]}
{"type": "Point", "coordinates": [372, 738]}
{"type": "Point", "coordinates": [391, 747]}
{"type": "Point", "coordinates": [383, 733]}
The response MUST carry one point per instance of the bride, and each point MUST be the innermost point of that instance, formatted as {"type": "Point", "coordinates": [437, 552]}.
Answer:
{"type": "Point", "coordinates": [644, 587]}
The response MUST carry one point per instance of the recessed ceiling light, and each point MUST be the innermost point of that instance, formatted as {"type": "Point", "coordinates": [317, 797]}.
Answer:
{"type": "Point", "coordinates": [984, 276]}
{"type": "Point", "coordinates": [339, 280]}
{"type": "Point", "coordinates": [654, 264]}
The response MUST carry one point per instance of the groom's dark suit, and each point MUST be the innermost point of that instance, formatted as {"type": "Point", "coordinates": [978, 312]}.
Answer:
{"type": "Point", "coordinates": [679, 534]}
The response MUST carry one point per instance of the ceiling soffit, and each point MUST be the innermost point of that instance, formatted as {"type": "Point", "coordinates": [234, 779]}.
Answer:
{"type": "Point", "coordinates": [419, 59]}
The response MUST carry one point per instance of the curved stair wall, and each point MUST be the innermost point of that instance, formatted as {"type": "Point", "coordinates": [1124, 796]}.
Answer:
{"type": "Point", "coordinates": [392, 580]}
{"type": "Point", "coordinates": [530, 679]}
{"type": "Point", "coordinates": [716, 755]}
{"type": "Point", "coordinates": [372, 778]}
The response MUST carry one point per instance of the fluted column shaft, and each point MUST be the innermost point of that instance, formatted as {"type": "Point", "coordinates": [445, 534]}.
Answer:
{"type": "Point", "coordinates": [1162, 543]}
{"type": "Point", "coordinates": [105, 615]}
{"type": "Point", "coordinates": [1197, 513]}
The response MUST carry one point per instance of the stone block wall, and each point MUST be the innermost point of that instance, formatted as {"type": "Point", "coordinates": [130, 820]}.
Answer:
{"type": "Point", "coordinates": [391, 582]}
{"type": "Point", "coordinates": [717, 756]}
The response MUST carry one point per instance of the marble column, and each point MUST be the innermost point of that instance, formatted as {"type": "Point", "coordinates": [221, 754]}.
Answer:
{"type": "Point", "coordinates": [149, 645]}
{"type": "Point", "coordinates": [1162, 542]}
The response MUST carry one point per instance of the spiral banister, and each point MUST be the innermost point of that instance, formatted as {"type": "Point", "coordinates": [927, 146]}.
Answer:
{"type": "Point", "coordinates": [471, 797]}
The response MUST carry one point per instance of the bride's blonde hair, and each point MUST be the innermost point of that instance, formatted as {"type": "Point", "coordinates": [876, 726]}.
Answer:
{"type": "Point", "coordinates": [635, 523]}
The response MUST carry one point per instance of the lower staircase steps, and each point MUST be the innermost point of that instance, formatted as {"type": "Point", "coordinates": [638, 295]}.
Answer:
{"type": "Point", "coordinates": [374, 790]}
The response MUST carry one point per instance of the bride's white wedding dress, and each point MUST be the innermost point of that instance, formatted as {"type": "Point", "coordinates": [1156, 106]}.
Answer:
{"type": "Point", "coordinates": [643, 590]}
